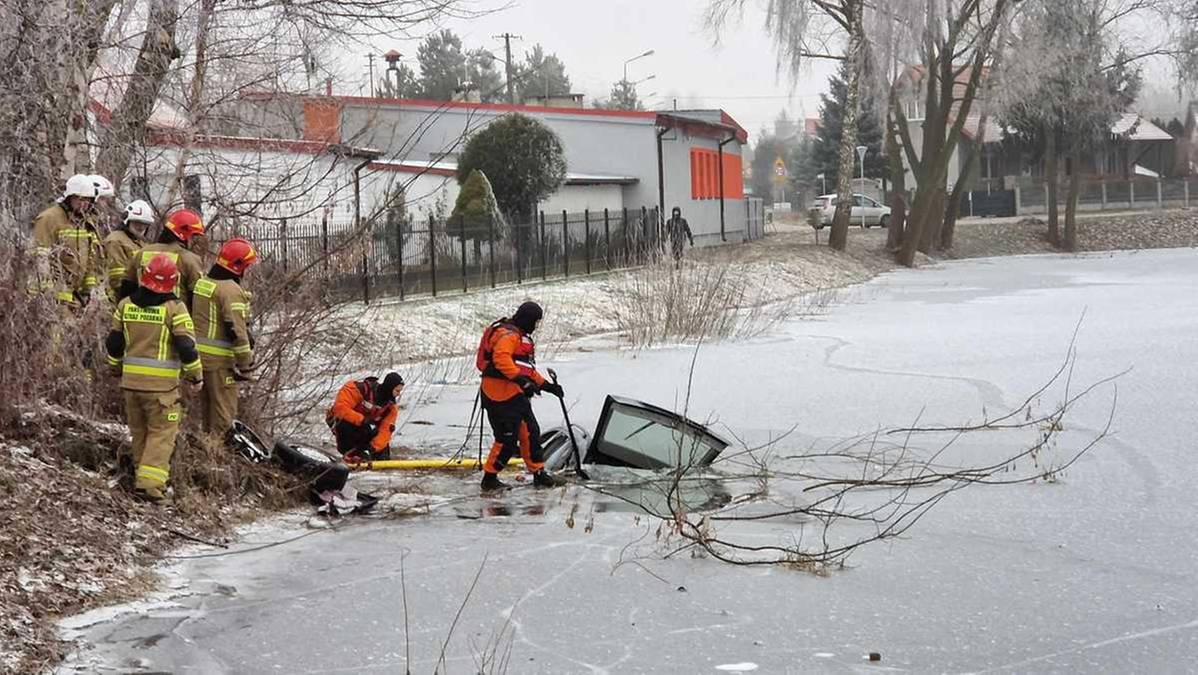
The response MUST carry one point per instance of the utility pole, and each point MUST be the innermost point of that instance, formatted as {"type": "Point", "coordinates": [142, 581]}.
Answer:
{"type": "Point", "coordinates": [508, 70]}
{"type": "Point", "coordinates": [370, 60]}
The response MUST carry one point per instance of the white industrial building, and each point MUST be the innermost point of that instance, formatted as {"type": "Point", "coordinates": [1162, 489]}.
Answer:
{"type": "Point", "coordinates": [294, 156]}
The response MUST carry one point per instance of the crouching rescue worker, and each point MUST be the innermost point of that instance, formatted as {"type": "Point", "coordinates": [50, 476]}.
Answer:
{"type": "Point", "coordinates": [507, 359]}
{"type": "Point", "coordinates": [363, 417]}
{"type": "Point", "coordinates": [123, 243]}
{"type": "Point", "coordinates": [180, 226]}
{"type": "Point", "coordinates": [221, 310]}
{"type": "Point", "coordinates": [151, 344]}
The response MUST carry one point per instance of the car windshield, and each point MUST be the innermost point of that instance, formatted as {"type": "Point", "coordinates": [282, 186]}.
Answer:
{"type": "Point", "coordinates": [640, 435]}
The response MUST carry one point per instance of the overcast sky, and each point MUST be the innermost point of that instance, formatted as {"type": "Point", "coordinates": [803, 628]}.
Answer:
{"type": "Point", "coordinates": [594, 39]}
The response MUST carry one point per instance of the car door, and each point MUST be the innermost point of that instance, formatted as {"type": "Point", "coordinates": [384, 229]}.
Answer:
{"type": "Point", "coordinates": [873, 211]}
{"type": "Point", "coordinates": [858, 210]}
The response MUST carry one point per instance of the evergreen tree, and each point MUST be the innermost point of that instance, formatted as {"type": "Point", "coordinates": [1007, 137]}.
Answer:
{"type": "Point", "coordinates": [475, 213]}
{"type": "Point", "coordinates": [541, 73]}
{"type": "Point", "coordinates": [826, 150]}
{"type": "Point", "coordinates": [483, 73]}
{"type": "Point", "coordinates": [442, 65]}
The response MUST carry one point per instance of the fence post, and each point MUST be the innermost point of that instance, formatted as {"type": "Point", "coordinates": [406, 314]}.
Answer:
{"type": "Point", "coordinates": [324, 238]}
{"type": "Point", "coordinates": [607, 239]}
{"type": "Point", "coordinates": [1159, 203]}
{"type": "Point", "coordinates": [1186, 182]}
{"type": "Point", "coordinates": [650, 244]}
{"type": "Point", "coordinates": [432, 254]}
{"type": "Point", "coordinates": [399, 254]}
{"type": "Point", "coordinates": [544, 251]}
{"type": "Point", "coordinates": [465, 284]}
{"type": "Point", "coordinates": [366, 271]}
{"type": "Point", "coordinates": [518, 240]}
{"type": "Point", "coordinates": [624, 229]}
{"type": "Point", "coordinates": [1104, 194]}
{"type": "Point", "coordinates": [283, 227]}
{"type": "Point", "coordinates": [1131, 190]}
{"type": "Point", "coordinates": [566, 243]}
{"type": "Point", "coordinates": [491, 240]}
{"type": "Point", "coordinates": [586, 235]}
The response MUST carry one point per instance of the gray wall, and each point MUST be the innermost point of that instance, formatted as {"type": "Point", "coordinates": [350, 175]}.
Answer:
{"type": "Point", "coordinates": [594, 144]}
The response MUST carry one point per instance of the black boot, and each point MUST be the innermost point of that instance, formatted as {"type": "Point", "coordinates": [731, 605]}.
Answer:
{"type": "Point", "coordinates": [544, 479]}
{"type": "Point", "coordinates": [492, 483]}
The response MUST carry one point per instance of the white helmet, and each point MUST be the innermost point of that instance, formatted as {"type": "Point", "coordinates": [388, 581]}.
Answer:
{"type": "Point", "coordinates": [139, 211]}
{"type": "Point", "coordinates": [80, 185]}
{"type": "Point", "coordinates": [103, 186]}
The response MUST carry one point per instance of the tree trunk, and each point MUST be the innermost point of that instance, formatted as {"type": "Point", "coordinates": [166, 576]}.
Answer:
{"type": "Point", "coordinates": [838, 238]}
{"type": "Point", "coordinates": [898, 178]}
{"type": "Point", "coordinates": [195, 98]}
{"type": "Point", "coordinates": [933, 220]}
{"type": "Point", "coordinates": [1075, 191]}
{"type": "Point", "coordinates": [128, 125]}
{"type": "Point", "coordinates": [77, 93]}
{"type": "Point", "coordinates": [957, 198]}
{"type": "Point", "coordinates": [1050, 181]}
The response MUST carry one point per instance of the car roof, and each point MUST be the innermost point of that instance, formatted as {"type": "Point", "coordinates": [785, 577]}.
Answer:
{"type": "Point", "coordinates": [855, 194]}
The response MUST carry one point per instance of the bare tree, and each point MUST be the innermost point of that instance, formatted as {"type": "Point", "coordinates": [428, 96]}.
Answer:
{"type": "Point", "coordinates": [811, 29]}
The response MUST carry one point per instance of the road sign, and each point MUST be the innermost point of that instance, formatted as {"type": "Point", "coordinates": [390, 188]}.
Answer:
{"type": "Point", "coordinates": [779, 171]}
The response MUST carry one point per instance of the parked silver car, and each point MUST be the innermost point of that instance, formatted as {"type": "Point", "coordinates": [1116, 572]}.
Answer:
{"type": "Point", "coordinates": [866, 212]}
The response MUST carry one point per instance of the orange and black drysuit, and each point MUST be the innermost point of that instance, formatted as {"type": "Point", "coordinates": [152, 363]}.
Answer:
{"type": "Point", "coordinates": [509, 378]}
{"type": "Point", "coordinates": [363, 417]}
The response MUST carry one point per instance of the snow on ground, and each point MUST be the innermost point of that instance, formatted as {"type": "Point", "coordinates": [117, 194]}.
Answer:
{"type": "Point", "coordinates": [1095, 573]}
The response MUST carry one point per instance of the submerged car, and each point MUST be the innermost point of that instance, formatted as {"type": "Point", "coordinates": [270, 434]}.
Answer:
{"type": "Point", "coordinates": [865, 212]}
{"type": "Point", "coordinates": [629, 433]}
{"type": "Point", "coordinates": [637, 435]}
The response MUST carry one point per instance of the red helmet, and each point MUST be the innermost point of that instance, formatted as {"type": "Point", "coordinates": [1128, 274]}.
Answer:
{"type": "Point", "coordinates": [236, 255]}
{"type": "Point", "coordinates": [160, 274]}
{"type": "Point", "coordinates": [185, 224]}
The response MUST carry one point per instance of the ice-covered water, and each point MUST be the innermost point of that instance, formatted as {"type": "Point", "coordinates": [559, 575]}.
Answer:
{"type": "Point", "coordinates": [1095, 573]}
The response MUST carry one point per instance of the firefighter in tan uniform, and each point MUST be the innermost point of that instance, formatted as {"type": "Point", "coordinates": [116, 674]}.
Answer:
{"type": "Point", "coordinates": [221, 309]}
{"type": "Point", "coordinates": [67, 245]}
{"type": "Point", "coordinates": [152, 343]}
{"type": "Point", "coordinates": [180, 226]}
{"type": "Point", "coordinates": [122, 243]}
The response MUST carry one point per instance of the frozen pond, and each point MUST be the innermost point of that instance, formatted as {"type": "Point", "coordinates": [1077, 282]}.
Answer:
{"type": "Point", "coordinates": [1098, 572]}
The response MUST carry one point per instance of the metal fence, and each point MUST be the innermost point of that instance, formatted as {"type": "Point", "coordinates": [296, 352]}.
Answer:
{"type": "Point", "coordinates": [1099, 194]}
{"type": "Point", "coordinates": [404, 258]}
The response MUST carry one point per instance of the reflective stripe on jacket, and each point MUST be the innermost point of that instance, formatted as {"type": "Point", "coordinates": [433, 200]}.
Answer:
{"type": "Point", "coordinates": [150, 361]}
{"type": "Point", "coordinates": [220, 310]}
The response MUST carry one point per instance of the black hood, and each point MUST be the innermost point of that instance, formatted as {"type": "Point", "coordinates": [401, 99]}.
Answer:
{"type": "Point", "coordinates": [144, 297]}
{"type": "Point", "coordinates": [382, 395]}
{"type": "Point", "coordinates": [527, 316]}
{"type": "Point", "coordinates": [218, 273]}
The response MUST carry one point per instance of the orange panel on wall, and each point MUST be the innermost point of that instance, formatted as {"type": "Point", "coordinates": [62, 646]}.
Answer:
{"type": "Point", "coordinates": [734, 180]}
{"type": "Point", "coordinates": [322, 121]}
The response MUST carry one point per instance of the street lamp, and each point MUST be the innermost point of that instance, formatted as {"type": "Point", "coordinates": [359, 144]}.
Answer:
{"type": "Point", "coordinates": [638, 56]}
{"type": "Point", "coordinates": [861, 150]}
{"type": "Point", "coordinates": [651, 77]}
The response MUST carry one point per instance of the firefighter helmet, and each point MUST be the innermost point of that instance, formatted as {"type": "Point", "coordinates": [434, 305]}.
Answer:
{"type": "Point", "coordinates": [103, 186]}
{"type": "Point", "coordinates": [139, 211]}
{"type": "Point", "coordinates": [160, 274]}
{"type": "Point", "coordinates": [236, 255]}
{"type": "Point", "coordinates": [185, 224]}
{"type": "Point", "coordinates": [80, 185]}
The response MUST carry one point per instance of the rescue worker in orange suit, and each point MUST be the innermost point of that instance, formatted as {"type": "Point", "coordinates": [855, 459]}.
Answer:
{"type": "Point", "coordinates": [178, 229]}
{"type": "Point", "coordinates": [507, 359]}
{"type": "Point", "coordinates": [152, 344]}
{"type": "Point", "coordinates": [67, 244]}
{"type": "Point", "coordinates": [124, 242]}
{"type": "Point", "coordinates": [221, 311]}
{"type": "Point", "coordinates": [363, 416]}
